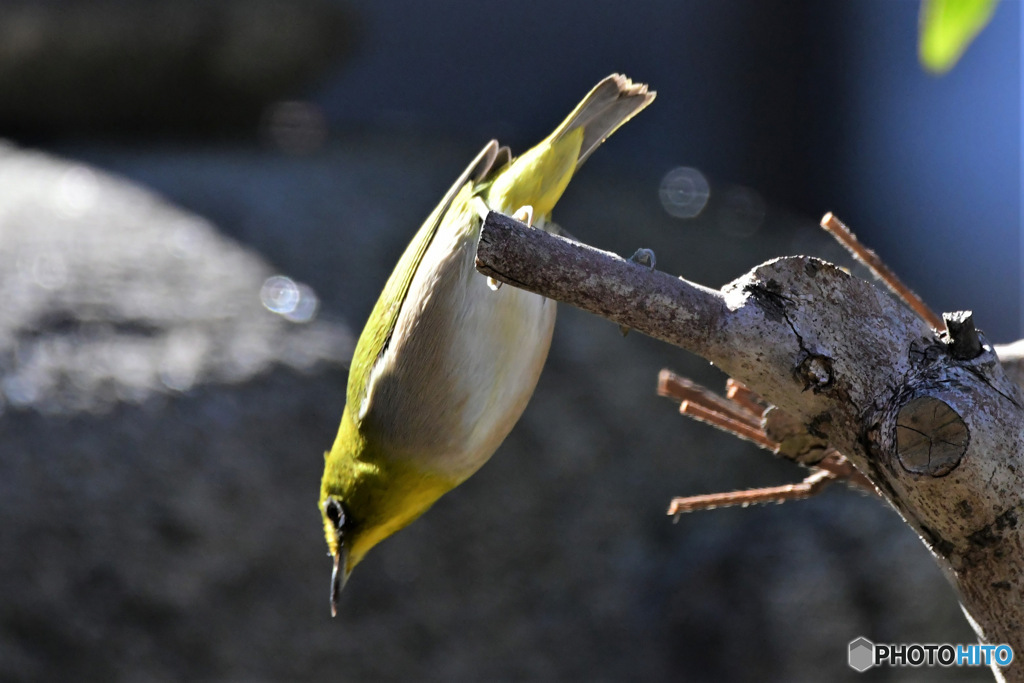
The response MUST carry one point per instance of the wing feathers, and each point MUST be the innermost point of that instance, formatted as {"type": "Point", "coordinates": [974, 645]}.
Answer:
{"type": "Point", "coordinates": [376, 336]}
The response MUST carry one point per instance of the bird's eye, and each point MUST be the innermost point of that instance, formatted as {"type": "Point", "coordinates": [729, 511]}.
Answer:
{"type": "Point", "coordinates": [334, 511]}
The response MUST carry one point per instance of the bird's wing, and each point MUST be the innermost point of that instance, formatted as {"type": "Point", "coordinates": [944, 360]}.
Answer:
{"type": "Point", "coordinates": [376, 336]}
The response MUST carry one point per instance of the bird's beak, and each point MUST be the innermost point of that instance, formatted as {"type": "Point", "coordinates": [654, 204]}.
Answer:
{"type": "Point", "coordinates": [339, 576]}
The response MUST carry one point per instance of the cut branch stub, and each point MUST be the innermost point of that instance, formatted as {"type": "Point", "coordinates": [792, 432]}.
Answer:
{"type": "Point", "coordinates": [961, 335]}
{"type": "Point", "coordinates": [949, 448]}
{"type": "Point", "coordinates": [931, 437]}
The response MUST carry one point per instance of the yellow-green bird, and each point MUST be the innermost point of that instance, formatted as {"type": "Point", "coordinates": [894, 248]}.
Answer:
{"type": "Point", "coordinates": [447, 361]}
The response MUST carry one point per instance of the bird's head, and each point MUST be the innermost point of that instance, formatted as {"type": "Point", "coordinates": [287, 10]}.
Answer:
{"type": "Point", "coordinates": [366, 496]}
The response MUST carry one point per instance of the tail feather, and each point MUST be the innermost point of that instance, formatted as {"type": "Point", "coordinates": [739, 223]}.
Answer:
{"type": "Point", "coordinates": [540, 175]}
{"type": "Point", "coordinates": [611, 103]}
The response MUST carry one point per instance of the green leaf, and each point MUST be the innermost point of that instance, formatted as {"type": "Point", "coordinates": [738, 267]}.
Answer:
{"type": "Point", "coordinates": [947, 28]}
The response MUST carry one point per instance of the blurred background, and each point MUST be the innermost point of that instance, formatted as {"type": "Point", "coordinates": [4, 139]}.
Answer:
{"type": "Point", "coordinates": [199, 203]}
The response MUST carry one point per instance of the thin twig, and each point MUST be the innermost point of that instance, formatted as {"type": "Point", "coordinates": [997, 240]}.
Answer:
{"type": "Point", "coordinates": [842, 234]}
{"type": "Point", "coordinates": [738, 393]}
{"type": "Point", "coordinates": [810, 486]}
{"type": "Point", "coordinates": [683, 389]}
{"type": "Point", "coordinates": [726, 423]}
{"type": "Point", "coordinates": [706, 406]}
{"type": "Point", "coordinates": [838, 464]}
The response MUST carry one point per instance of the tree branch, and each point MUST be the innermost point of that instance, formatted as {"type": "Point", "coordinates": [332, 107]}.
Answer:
{"type": "Point", "coordinates": [936, 433]}
{"type": "Point", "coordinates": [661, 306]}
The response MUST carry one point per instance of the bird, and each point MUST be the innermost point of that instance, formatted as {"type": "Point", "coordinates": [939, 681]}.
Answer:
{"type": "Point", "coordinates": [449, 359]}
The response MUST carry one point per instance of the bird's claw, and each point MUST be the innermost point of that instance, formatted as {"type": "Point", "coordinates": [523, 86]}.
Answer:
{"type": "Point", "coordinates": [524, 214]}
{"type": "Point", "coordinates": [643, 257]}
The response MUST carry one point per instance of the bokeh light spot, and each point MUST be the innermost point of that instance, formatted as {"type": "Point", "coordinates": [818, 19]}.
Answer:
{"type": "Point", "coordinates": [684, 192]}
{"type": "Point", "coordinates": [306, 308]}
{"type": "Point", "coordinates": [294, 301]}
{"type": "Point", "coordinates": [280, 294]}
{"type": "Point", "coordinates": [740, 212]}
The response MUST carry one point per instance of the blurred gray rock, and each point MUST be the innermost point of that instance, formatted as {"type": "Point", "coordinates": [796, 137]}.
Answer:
{"type": "Point", "coordinates": [166, 532]}
{"type": "Point", "coordinates": [111, 295]}
{"type": "Point", "coordinates": [119, 67]}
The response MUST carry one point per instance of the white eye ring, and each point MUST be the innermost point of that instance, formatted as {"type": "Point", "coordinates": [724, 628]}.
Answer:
{"type": "Point", "coordinates": [334, 512]}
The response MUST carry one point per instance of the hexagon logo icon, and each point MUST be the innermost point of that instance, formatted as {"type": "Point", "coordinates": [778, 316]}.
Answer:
{"type": "Point", "coordinates": [862, 654]}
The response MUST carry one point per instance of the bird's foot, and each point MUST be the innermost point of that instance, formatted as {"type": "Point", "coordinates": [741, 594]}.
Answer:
{"type": "Point", "coordinates": [524, 214]}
